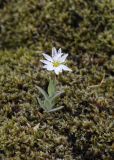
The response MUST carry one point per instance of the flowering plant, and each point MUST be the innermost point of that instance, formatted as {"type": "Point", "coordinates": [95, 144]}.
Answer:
{"type": "Point", "coordinates": [55, 63]}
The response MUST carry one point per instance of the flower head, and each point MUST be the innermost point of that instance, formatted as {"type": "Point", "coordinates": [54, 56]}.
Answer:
{"type": "Point", "coordinates": [56, 62]}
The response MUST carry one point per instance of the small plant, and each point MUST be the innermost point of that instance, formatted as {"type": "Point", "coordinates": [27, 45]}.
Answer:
{"type": "Point", "coordinates": [56, 64]}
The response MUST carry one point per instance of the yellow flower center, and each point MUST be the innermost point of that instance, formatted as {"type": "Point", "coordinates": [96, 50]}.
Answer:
{"type": "Point", "coordinates": [56, 64]}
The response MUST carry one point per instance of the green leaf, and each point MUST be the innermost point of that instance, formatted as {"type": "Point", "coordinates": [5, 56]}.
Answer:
{"type": "Point", "coordinates": [52, 88]}
{"type": "Point", "coordinates": [50, 100]}
{"type": "Point", "coordinates": [56, 109]}
{"type": "Point", "coordinates": [43, 92]}
{"type": "Point", "coordinates": [57, 95]}
{"type": "Point", "coordinates": [40, 102]}
{"type": "Point", "coordinates": [48, 104]}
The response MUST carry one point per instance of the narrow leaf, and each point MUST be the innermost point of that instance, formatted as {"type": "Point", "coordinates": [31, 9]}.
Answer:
{"type": "Point", "coordinates": [52, 88]}
{"type": "Point", "coordinates": [55, 109]}
{"type": "Point", "coordinates": [48, 104]}
{"type": "Point", "coordinates": [43, 92]}
{"type": "Point", "coordinates": [57, 95]}
{"type": "Point", "coordinates": [40, 103]}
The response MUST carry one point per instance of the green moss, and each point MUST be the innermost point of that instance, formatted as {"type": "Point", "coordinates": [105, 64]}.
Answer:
{"type": "Point", "coordinates": [84, 128]}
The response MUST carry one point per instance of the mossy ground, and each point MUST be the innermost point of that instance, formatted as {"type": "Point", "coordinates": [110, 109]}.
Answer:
{"type": "Point", "coordinates": [84, 128]}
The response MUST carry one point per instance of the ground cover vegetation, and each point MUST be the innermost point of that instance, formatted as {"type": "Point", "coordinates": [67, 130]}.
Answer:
{"type": "Point", "coordinates": [84, 128]}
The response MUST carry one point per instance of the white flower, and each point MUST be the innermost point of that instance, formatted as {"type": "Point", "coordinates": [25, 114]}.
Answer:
{"type": "Point", "coordinates": [56, 62]}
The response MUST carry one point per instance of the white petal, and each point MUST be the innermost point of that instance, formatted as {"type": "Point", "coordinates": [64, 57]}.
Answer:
{"type": "Point", "coordinates": [63, 58]}
{"type": "Point", "coordinates": [56, 57]}
{"type": "Point", "coordinates": [58, 69]}
{"type": "Point", "coordinates": [59, 51]}
{"type": "Point", "coordinates": [65, 68]}
{"type": "Point", "coordinates": [49, 67]}
{"type": "Point", "coordinates": [54, 52]}
{"type": "Point", "coordinates": [45, 61]}
{"type": "Point", "coordinates": [48, 57]}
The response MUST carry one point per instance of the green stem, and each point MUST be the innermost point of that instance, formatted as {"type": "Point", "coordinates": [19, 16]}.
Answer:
{"type": "Point", "coordinates": [53, 77]}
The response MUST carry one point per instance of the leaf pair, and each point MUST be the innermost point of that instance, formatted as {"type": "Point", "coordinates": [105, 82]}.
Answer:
{"type": "Point", "coordinates": [49, 98]}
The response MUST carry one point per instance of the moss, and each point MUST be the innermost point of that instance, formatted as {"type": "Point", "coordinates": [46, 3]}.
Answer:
{"type": "Point", "coordinates": [84, 128]}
